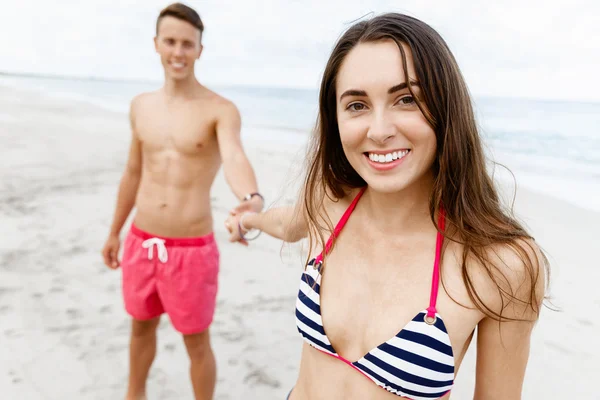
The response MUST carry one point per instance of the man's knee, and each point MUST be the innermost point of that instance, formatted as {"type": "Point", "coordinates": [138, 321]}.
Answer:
{"type": "Point", "coordinates": [144, 328]}
{"type": "Point", "coordinates": [198, 345]}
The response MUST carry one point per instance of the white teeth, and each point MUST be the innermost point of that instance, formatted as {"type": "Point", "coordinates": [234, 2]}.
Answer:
{"type": "Point", "coordinates": [389, 157]}
{"type": "Point", "coordinates": [177, 65]}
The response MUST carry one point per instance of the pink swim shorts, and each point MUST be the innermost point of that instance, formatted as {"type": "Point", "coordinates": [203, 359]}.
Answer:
{"type": "Point", "coordinates": [178, 276]}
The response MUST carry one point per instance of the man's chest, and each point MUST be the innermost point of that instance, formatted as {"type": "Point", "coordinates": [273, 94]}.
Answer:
{"type": "Point", "coordinates": [181, 131]}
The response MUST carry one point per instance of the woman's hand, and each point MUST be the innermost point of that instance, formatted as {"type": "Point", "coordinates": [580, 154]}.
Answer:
{"type": "Point", "coordinates": [233, 226]}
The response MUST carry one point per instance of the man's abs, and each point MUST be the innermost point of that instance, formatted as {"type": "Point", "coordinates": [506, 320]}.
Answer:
{"type": "Point", "coordinates": [180, 159]}
{"type": "Point", "coordinates": [173, 198]}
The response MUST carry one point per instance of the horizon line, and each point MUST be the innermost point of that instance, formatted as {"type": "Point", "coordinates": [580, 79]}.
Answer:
{"type": "Point", "coordinates": [92, 78]}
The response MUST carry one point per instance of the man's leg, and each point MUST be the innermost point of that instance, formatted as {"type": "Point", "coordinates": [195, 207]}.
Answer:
{"type": "Point", "coordinates": [189, 298]}
{"type": "Point", "coordinates": [203, 369]}
{"type": "Point", "coordinates": [142, 349]}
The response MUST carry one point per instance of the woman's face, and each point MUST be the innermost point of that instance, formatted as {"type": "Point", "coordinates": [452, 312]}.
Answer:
{"type": "Point", "coordinates": [384, 134]}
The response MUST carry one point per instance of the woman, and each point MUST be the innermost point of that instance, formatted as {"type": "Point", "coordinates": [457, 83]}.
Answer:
{"type": "Point", "coordinates": [410, 249]}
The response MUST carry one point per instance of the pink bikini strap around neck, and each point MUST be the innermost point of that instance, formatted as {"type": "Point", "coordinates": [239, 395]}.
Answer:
{"type": "Point", "coordinates": [431, 310]}
{"type": "Point", "coordinates": [339, 226]}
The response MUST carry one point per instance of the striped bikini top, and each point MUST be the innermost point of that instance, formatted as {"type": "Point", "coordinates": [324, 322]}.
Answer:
{"type": "Point", "coordinates": [417, 363]}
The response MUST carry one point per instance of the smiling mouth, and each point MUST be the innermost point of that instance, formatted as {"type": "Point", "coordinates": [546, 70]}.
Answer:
{"type": "Point", "coordinates": [384, 158]}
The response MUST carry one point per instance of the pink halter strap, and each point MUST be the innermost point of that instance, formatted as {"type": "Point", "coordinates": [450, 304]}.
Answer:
{"type": "Point", "coordinates": [340, 225]}
{"type": "Point", "coordinates": [431, 310]}
{"type": "Point", "coordinates": [435, 281]}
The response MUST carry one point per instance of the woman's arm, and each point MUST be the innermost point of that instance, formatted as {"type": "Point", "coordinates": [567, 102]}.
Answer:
{"type": "Point", "coordinates": [503, 347]}
{"type": "Point", "coordinates": [285, 223]}
{"type": "Point", "coordinates": [502, 355]}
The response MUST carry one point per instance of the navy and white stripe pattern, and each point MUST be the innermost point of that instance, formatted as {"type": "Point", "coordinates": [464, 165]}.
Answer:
{"type": "Point", "coordinates": [417, 363]}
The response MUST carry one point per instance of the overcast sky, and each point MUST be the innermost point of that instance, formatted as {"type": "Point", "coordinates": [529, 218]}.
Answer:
{"type": "Point", "coordinates": [537, 49]}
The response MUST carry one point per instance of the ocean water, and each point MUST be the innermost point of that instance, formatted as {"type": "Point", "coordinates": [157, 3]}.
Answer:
{"type": "Point", "coordinates": [551, 147]}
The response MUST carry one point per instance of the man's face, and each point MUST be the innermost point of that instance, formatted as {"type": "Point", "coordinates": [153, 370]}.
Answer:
{"type": "Point", "coordinates": [178, 44]}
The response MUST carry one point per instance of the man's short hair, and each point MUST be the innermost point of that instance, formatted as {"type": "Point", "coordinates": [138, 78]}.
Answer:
{"type": "Point", "coordinates": [182, 12]}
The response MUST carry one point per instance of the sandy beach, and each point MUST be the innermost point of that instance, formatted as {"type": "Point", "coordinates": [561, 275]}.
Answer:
{"type": "Point", "coordinates": [63, 330]}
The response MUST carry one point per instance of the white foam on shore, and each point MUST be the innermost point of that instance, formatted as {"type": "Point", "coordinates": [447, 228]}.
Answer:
{"type": "Point", "coordinates": [575, 183]}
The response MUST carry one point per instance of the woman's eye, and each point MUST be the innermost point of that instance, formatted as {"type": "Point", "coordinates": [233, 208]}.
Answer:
{"type": "Point", "coordinates": [356, 107]}
{"type": "Point", "coordinates": [406, 100]}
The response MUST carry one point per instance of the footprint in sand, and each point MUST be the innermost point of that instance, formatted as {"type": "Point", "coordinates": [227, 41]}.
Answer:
{"type": "Point", "coordinates": [116, 348]}
{"type": "Point", "coordinates": [159, 376]}
{"type": "Point", "coordinates": [5, 309]}
{"type": "Point", "coordinates": [112, 288]}
{"type": "Point", "coordinates": [13, 375]}
{"type": "Point", "coordinates": [233, 334]}
{"type": "Point", "coordinates": [74, 313]}
{"type": "Point", "coordinates": [8, 259]}
{"type": "Point", "coordinates": [76, 250]}
{"type": "Point", "coordinates": [11, 333]}
{"type": "Point", "coordinates": [58, 281]}
{"type": "Point", "coordinates": [8, 290]}
{"type": "Point", "coordinates": [258, 377]}
{"type": "Point", "coordinates": [105, 309]}
{"type": "Point", "coordinates": [170, 347]}
{"type": "Point", "coordinates": [559, 348]}
{"type": "Point", "coordinates": [584, 322]}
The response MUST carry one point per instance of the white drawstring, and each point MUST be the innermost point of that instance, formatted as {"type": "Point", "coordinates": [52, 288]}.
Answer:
{"type": "Point", "coordinates": [163, 256]}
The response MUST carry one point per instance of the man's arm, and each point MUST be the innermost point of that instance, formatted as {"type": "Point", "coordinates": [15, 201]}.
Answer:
{"type": "Point", "coordinates": [128, 188]}
{"type": "Point", "coordinates": [236, 166]}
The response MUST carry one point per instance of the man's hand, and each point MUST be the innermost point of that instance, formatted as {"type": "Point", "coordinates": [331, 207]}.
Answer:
{"type": "Point", "coordinates": [110, 251]}
{"type": "Point", "coordinates": [231, 223]}
{"type": "Point", "coordinates": [255, 204]}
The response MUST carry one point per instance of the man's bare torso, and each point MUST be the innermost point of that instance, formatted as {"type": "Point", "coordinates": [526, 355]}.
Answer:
{"type": "Point", "coordinates": [180, 159]}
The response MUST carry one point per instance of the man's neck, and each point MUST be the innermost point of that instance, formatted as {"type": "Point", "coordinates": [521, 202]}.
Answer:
{"type": "Point", "coordinates": [181, 88]}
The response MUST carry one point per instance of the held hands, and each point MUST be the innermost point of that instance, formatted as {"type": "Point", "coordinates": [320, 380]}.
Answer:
{"type": "Point", "coordinates": [232, 226]}
{"type": "Point", "coordinates": [253, 203]}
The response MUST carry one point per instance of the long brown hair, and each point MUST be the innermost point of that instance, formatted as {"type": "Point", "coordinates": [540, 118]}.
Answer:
{"type": "Point", "coordinates": [462, 184]}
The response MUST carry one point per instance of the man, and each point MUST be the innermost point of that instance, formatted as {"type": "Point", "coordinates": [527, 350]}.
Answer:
{"type": "Point", "coordinates": [180, 135]}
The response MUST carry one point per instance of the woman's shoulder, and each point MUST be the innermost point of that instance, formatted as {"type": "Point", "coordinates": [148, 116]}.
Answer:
{"type": "Point", "coordinates": [333, 207]}
{"type": "Point", "coordinates": [509, 278]}
{"type": "Point", "coordinates": [328, 213]}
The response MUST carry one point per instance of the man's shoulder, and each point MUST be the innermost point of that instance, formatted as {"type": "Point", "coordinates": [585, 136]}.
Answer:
{"type": "Point", "coordinates": [142, 99]}
{"type": "Point", "coordinates": [219, 103]}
